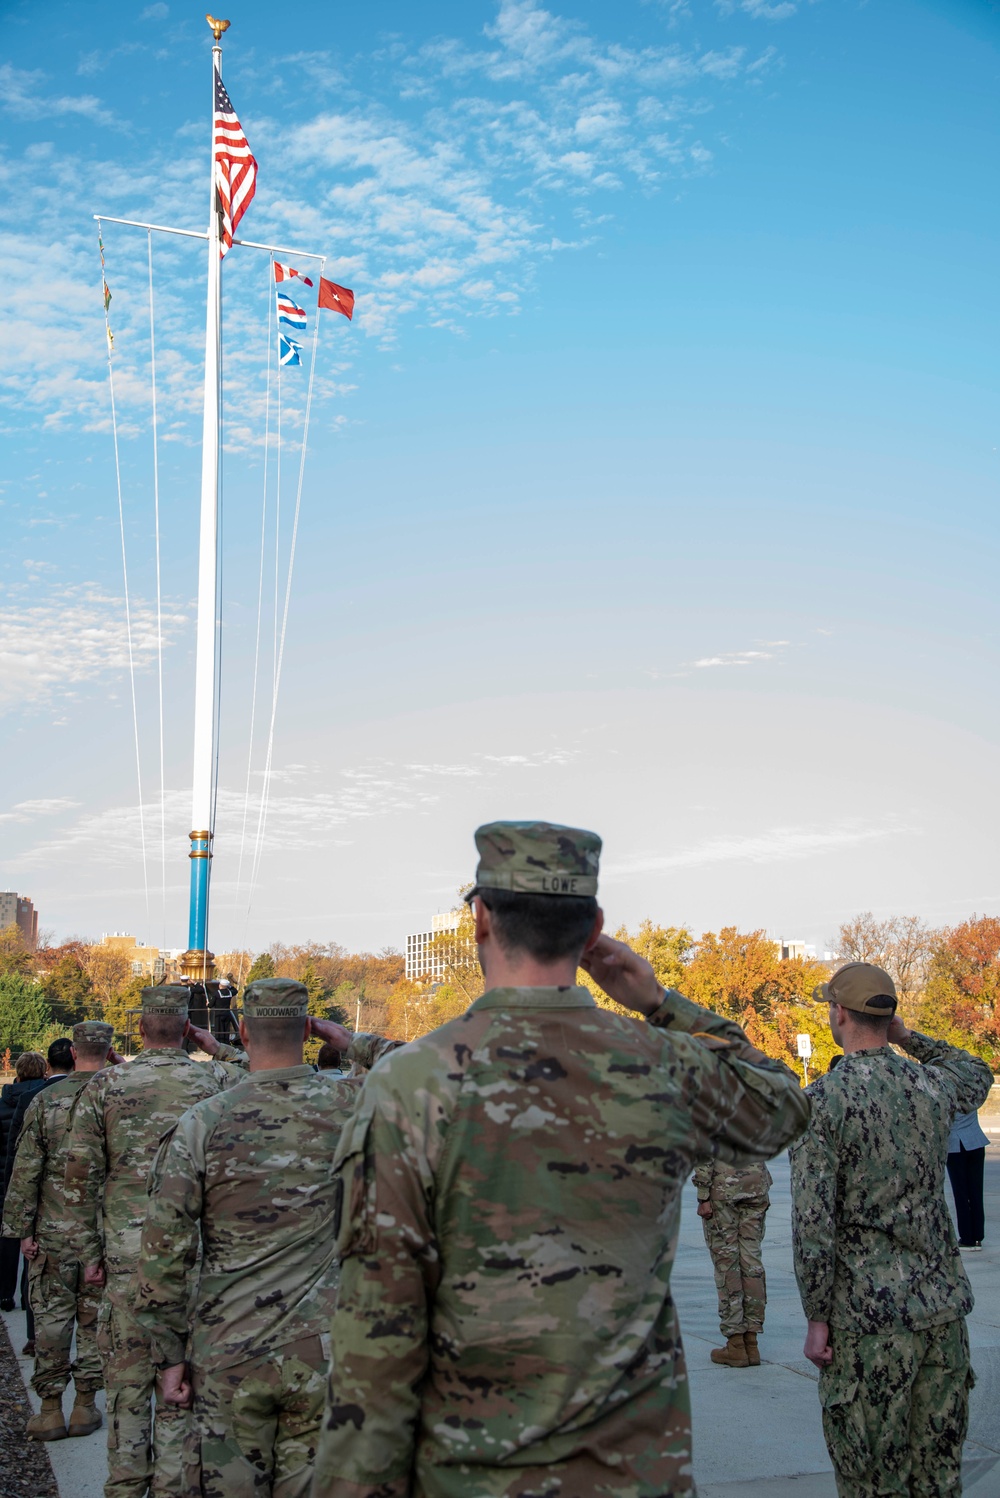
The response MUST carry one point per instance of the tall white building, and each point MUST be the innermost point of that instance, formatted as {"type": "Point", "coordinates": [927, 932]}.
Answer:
{"type": "Point", "coordinates": [423, 964]}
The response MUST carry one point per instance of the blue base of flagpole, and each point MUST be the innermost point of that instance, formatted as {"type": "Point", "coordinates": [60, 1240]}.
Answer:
{"type": "Point", "coordinates": [198, 916]}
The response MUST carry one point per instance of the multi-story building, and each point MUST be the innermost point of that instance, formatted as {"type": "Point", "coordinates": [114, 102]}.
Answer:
{"type": "Point", "coordinates": [146, 962]}
{"type": "Point", "coordinates": [18, 910]}
{"type": "Point", "coordinates": [425, 962]}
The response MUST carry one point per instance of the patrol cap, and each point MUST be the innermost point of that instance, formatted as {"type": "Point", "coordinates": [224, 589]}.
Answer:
{"type": "Point", "coordinates": [167, 998]}
{"type": "Point", "coordinates": [537, 858]}
{"type": "Point", "coordinates": [275, 998]}
{"type": "Point", "coordinates": [860, 986]}
{"type": "Point", "coordinates": [93, 1032]}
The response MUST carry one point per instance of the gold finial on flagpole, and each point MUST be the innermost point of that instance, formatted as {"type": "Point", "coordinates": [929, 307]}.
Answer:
{"type": "Point", "coordinates": [218, 27]}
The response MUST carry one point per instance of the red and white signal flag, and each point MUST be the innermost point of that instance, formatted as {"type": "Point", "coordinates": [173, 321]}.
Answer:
{"type": "Point", "coordinates": [288, 272]}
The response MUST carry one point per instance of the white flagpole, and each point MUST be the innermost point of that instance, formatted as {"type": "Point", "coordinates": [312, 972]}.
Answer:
{"type": "Point", "coordinates": [198, 962]}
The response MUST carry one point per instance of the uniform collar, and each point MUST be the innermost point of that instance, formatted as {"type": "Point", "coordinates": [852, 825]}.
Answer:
{"type": "Point", "coordinates": [572, 997]}
{"type": "Point", "coordinates": [280, 1073]}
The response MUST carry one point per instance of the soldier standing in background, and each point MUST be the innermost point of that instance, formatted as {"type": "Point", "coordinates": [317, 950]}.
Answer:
{"type": "Point", "coordinates": [511, 1183]}
{"type": "Point", "coordinates": [117, 1125]}
{"type": "Point", "coordinates": [732, 1205]}
{"type": "Point", "coordinates": [877, 1264]}
{"type": "Point", "coordinates": [35, 1211]}
{"type": "Point", "coordinates": [247, 1175]}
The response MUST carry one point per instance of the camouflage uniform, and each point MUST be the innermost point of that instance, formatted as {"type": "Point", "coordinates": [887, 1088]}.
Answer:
{"type": "Point", "coordinates": [511, 1189]}
{"type": "Point", "coordinates": [116, 1129]}
{"type": "Point", "coordinates": [734, 1234]}
{"type": "Point", "coordinates": [248, 1174]}
{"type": "Point", "coordinates": [35, 1207]}
{"type": "Point", "coordinates": [876, 1259]}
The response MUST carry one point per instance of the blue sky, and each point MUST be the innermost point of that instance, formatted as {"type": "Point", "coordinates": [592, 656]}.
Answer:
{"type": "Point", "coordinates": [652, 488]}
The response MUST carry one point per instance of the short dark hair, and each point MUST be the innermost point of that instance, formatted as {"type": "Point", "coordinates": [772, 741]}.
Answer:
{"type": "Point", "coordinates": [91, 1050]}
{"type": "Point", "coordinates": [60, 1054]}
{"type": "Point", "coordinates": [547, 927]}
{"type": "Point", "coordinates": [274, 1031]}
{"type": "Point", "coordinates": [329, 1058]}
{"type": "Point", "coordinates": [876, 1023]}
{"type": "Point", "coordinates": [164, 1027]}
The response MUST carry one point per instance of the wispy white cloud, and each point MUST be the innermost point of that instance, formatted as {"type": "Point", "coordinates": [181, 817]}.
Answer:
{"type": "Point", "coordinates": [759, 10]}
{"type": "Point", "coordinates": [733, 658]}
{"type": "Point", "coordinates": [48, 806]}
{"type": "Point", "coordinates": [54, 647]}
{"type": "Point", "coordinates": [778, 845]}
{"type": "Point", "coordinates": [23, 93]}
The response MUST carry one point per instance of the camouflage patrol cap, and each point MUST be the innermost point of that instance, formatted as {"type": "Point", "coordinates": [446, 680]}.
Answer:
{"type": "Point", "coordinates": [167, 998]}
{"type": "Point", "coordinates": [860, 986]}
{"type": "Point", "coordinates": [93, 1032]}
{"type": "Point", "coordinates": [537, 858]}
{"type": "Point", "coordinates": [275, 998]}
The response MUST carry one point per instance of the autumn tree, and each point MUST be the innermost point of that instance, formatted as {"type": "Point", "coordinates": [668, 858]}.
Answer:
{"type": "Point", "coordinates": [15, 955]}
{"type": "Point", "coordinates": [901, 944]}
{"type": "Point", "coordinates": [66, 983]}
{"type": "Point", "coordinates": [459, 970]}
{"type": "Point", "coordinates": [961, 1001]}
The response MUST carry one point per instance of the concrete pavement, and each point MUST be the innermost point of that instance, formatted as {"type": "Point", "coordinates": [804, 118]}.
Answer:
{"type": "Point", "coordinates": [757, 1431]}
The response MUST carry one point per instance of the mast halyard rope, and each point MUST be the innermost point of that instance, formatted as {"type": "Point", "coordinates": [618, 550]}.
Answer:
{"type": "Point", "coordinates": [260, 609]}
{"type": "Point", "coordinates": [266, 790]}
{"type": "Point", "coordinates": [159, 600]}
{"type": "Point", "coordinates": [106, 296]}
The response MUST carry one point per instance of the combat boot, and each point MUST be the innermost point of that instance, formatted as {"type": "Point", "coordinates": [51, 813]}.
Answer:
{"type": "Point", "coordinates": [733, 1355]}
{"type": "Point", "coordinates": [48, 1424]}
{"type": "Point", "coordinates": [85, 1417]}
{"type": "Point", "coordinates": [750, 1343]}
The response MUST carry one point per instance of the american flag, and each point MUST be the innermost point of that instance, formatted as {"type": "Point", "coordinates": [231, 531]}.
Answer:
{"type": "Point", "coordinates": [235, 167]}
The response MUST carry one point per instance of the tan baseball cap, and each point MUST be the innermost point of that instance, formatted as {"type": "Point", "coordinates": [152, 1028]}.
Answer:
{"type": "Point", "coordinates": [860, 986]}
{"type": "Point", "coordinates": [538, 858]}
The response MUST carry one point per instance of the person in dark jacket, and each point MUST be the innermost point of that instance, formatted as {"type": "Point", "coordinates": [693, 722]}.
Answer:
{"type": "Point", "coordinates": [966, 1156]}
{"type": "Point", "coordinates": [32, 1075]}
{"type": "Point", "coordinates": [29, 1075]}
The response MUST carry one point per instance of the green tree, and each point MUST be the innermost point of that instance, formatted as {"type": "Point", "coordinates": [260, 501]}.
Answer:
{"type": "Point", "coordinates": [25, 1014]}
{"type": "Point", "coordinates": [263, 967]}
{"type": "Point", "coordinates": [315, 987]}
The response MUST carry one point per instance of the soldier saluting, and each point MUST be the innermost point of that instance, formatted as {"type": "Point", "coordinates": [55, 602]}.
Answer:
{"type": "Point", "coordinates": [511, 1185]}
{"type": "Point", "coordinates": [878, 1267]}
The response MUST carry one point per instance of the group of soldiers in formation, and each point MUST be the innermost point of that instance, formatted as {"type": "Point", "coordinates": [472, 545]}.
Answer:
{"type": "Point", "coordinates": [443, 1270]}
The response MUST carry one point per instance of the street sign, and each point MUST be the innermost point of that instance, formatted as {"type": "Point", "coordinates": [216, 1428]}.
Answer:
{"type": "Point", "coordinates": [805, 1046]}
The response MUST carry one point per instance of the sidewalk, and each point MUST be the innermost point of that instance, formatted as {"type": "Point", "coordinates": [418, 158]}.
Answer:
{"type": "Point", "coordinates": [757, 1431]}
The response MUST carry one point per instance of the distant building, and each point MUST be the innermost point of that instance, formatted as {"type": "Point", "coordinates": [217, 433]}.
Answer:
{"type": "Point", "coordinates": [17, 910]}
{"type": "Point", "coordinates": [146, 962]}
{"type": "Point", "coordinates": [795, 951]}
{"type": "Point", "coordinates": [424, 964]}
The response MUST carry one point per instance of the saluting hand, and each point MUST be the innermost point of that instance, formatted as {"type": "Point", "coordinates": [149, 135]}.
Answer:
{"type": "Point", "coordinates": [330, 1031]}
{"type": "Point", "coordinates": [204, 1039]}
{"type": "Point", "coordinates": [623, 975]}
